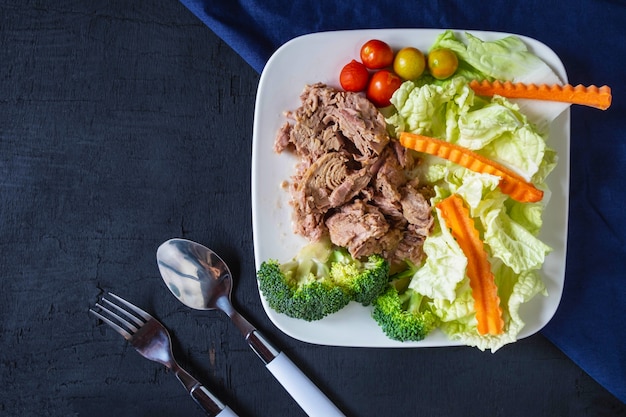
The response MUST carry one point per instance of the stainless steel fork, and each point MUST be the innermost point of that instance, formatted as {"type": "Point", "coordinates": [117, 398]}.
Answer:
{"type": "Point", "coordinates": [152, 340]}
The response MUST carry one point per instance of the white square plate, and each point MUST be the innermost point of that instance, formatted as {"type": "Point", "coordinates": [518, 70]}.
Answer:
{"type": "Point", "coordinates": [319, 57]}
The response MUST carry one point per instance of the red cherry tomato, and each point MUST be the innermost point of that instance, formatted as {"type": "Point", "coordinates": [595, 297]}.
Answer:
{"type": "Point", "coordinates": [354, 76]}
{"type": "Point", "coordinates": [381, 87]}
{"type": "Point", "coordinates": [376, 54]}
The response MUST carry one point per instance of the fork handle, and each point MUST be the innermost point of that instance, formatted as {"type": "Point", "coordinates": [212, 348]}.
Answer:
{"type": "Point", "coordinates": [202, 396]}
{"type": "Point", "coordinates": [205, 399]}
{"type": "Point", "coordinates": [227, 412]}
{"type": "Point", "coordinates": [209, 403]}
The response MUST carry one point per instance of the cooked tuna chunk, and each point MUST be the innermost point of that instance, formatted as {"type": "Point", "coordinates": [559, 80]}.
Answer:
{"type": "Point", "coordinates": [390, 176]}
{"type": "Point", "coordinates": [328, 118]}
{"type": "Point", "coordinates": [331, 182]}
{"type": "Point", "coordinates": [410, 247]}
{"type": "Point", "coordinates": [416, 210]}
{"type": "Point", "coordinates": [310, 224]}
{"type": "Point", "coordinates": [418, 213]}
{"type": "Point", "coordinates": [282, 140]}
{"type": "Point", "coordinates": [322, 177]}
{"type": "Point", "coordinates": [362, 229]}
{"type": "Point", "coordinates": [392, 209]}
{"type": "Point", "coordinates": [325, 184]}
{"type": "Point", "coordinates": [351, 186]}
{"type": "Point", "coordinates": [362, 123]}
{"type": "Point", "coordinates": [358, 227]}
{"type": "Point", "coordinates": [313, 139]}
{"type": "Point", "coordinates": [405, 158]}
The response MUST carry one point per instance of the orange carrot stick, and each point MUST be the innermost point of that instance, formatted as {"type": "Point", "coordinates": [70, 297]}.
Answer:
{"type": "Point", "coordinates": [510, 183]}
{"type": "Point", "coordinates": [592, 96]}
{"type": "Point", "coordinates": [482, 281]}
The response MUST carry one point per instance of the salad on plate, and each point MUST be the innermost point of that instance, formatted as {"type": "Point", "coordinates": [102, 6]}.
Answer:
{"type": "Point", "coordinates": [458, 214]}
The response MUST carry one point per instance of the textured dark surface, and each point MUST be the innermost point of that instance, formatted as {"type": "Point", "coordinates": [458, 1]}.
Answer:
{"type": "Point", "coordinates": [123, 124]}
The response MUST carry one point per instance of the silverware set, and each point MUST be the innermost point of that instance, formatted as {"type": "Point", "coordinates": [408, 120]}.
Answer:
{"type": "Point", "coordinates": [201, 280]}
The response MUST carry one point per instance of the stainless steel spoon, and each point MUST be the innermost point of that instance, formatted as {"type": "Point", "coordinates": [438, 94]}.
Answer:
{"type": "Point", "coordinates": [200, 279]}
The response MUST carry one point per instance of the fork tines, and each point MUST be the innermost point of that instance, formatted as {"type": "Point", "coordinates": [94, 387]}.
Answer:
{"type": "Point", "coordinates": [125, 323]}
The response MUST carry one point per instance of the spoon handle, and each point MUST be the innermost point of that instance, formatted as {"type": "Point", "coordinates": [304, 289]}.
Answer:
{"type": "Point", "coordinates": [296, 383]}
{"type": "Point", "coordinates": [301, 388]}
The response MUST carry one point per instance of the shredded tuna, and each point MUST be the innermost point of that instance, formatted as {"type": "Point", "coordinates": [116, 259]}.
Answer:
{"type": "Point", "coordinates": [352, 180]}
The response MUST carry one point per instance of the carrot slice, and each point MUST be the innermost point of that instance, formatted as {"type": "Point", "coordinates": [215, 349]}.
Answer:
{"type": "Point", "coordinates": [510, 182]}
{"type": "Point", "coordinates": [592, 96]}
{"type": "Point", "coordinates": [482, 281]}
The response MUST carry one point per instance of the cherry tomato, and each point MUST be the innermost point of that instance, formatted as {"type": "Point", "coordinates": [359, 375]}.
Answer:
{"type": "Point", "coordinates": [354, 76]}
{"type": "Point", "coordinates": [381, 87]}
{"type": "Point", "coordinates": [442, 63]}
{"type": "Point", "coordinates": [376, 54]}
{"type": "Point", "coordinates": [409, 63]}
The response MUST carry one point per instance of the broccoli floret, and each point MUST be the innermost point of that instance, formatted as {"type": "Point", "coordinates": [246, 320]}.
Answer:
{"type": "Point", "coordinates": [364, 280]}
{"type": "Point", "coordinates": [402, 313]}
{"type": "Point", "coordinates": [321, 280]}
{"type": "Point", "coordinates": [306, 297]}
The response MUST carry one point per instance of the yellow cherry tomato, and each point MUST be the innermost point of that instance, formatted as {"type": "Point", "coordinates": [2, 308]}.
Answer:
{"type": "Point", "coordinates": [409, 63]}
{"type": "Point", "coordinates": [442, 63]}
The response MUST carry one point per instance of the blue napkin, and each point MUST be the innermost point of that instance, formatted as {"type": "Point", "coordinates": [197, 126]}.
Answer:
{"type": "Point", "coordinates": [588, 36]}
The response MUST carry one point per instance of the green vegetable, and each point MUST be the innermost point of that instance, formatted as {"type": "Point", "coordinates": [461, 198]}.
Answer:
{"type": "Point", "coordinates": [495, 129]}
{"type": "Point", "coordinates": [506, 58]}
{"type": "Point", "coordinates": [364, 281]}
{"type": "Point", "coordinates": [498, 130]}
{"type": "Point", "coordinates": [321, 280]}
{"type": "Point", "coordinates": [404, 314]}
{"type": "Point", "coordinates": [443, 268]}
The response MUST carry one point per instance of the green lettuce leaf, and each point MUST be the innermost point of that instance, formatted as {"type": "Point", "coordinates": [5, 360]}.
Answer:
{"type": "Point", "coordinates": [480, 127]}
{"type": "Point", "coordinates": [443, 269]}
{"type": "Point", "coordinates": [527, 215]}
{"type": "Point", "coordinates": [512, 243]}
{"type": "Point", "coordinates": [430, 109]}
{"type": "Point", "coordinates": [503, 59]}
{"type": "Point", "coordinates": [550, 159]}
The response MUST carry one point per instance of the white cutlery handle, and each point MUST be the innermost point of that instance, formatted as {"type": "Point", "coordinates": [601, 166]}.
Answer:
{"type": "Point", "coordinates": [226, 412]}
{"type": "Point", "coordinates": [209, 402]}
{"type": "Point", "coordinates": [301, 388]}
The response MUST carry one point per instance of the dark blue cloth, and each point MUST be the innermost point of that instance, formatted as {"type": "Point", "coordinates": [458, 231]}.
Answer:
{"type": "Point", "coordinates": [588, 36]}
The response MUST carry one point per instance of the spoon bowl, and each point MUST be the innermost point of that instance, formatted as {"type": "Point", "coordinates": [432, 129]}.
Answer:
{"type": "Point", "coordinates": [194, 274]}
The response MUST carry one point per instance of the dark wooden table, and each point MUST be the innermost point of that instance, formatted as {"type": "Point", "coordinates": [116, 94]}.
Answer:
{"type": "Point", "coordinates": [124, 124]}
